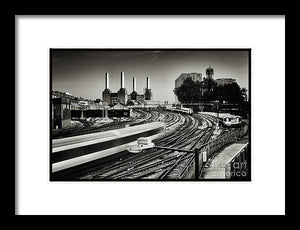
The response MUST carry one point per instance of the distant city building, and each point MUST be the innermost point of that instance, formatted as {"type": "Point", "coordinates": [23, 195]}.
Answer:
{"type": "Point", "coordinates": [225, 81]}
{"type": "Point", "coordinates": [57, 94]}
{"type": "Point", "coordinates": [209, 72]}
{"type": "Point", "coordinates": [150, 102]}
{"type": "Point", "coordinates": [194, 76]}
{"type": "Point", "coordinates": [179, 81]}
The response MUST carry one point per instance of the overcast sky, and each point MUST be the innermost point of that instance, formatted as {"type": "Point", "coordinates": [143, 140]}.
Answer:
{"type": "Point", "coordinates": [82, 72]}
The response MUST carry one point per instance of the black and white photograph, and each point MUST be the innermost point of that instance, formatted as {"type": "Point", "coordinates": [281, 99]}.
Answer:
{"type": "Point", "coordinates": [150, 114]}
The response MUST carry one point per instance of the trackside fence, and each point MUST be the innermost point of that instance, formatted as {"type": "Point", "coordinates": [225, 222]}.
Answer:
{"type": "Point", "coordinates": [207, 150]}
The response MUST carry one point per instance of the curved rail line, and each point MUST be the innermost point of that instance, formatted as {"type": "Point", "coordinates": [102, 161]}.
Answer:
{"type": "Point", "coordinates": [72, 173]}
{"type": "Point", "coordinates": [172, 165]}
{"type": "Point", "coordinates": [163, 164]}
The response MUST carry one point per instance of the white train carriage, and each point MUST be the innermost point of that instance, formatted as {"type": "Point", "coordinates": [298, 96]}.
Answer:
{"type": "Point", "coordinates": [187, 110]}
{"type": "Point", "coordinates": [182, 110]}
{"type": "Point", "coordinates": [72, 151]}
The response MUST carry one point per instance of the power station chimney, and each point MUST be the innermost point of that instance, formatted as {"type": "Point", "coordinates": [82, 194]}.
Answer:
{"type": "Point", "coordinates": [106, 80]}
{"type": "Point", "coordinates": [106, 94]}
{"type": "Point", "coordinates": [148, 94]}
{"type": "Point", "coordinates": [134, 84]}
{"type": "Point", "coordinates": [122, 80]}
{"type": "Point", "coordinates": [148, 83]}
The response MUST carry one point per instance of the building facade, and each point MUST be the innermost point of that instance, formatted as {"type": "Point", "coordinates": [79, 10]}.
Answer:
{"type": "Point", "coordinates": [194, 76]}
{"type": "Point", "coordinates": [122, 97]}
{"type": "Point", "coordinates": [61, 112]}
{"type": "Point", "coordinates": [209, 72]}
{"type": "Point", "coordinates": [148, 93]}
{"type": "Point", "coordinates": [179, 81]}
{"type": "Point", "coordinates": [112, 98]}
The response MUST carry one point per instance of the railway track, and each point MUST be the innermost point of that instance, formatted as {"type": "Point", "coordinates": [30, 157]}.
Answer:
{"type": "Point", "coordinates": [81, 170]}
{"type": "Point", "coordinates": [161, 164]}
{"type": "Point", "coordinates": [174, 165]}
{"type": "Point", "coordinates": [177, 170]}
{"type": "Point", "coordinates": [88, 125]}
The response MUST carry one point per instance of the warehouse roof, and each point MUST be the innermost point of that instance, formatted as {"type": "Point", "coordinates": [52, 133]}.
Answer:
{"type": "Point", "coordinates": [119, 106]}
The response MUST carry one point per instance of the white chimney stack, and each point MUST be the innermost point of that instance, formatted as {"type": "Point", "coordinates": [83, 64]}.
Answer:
{"type": "Point", "coordinates": [148, 83]}
{"type": "Point", "coordinates": [106, 80]}
{"type": "Point", "coordinates": [134, 84]}
{"type": "Point", "coordinates": [122, 80]}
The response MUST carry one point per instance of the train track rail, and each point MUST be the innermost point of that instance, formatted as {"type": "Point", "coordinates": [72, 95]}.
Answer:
{"type": "Point", "coordinates": [89, 125]}
{"type": "Point", "coordinates": [161, 164]}
{"type": "Point", "coordinates": [134, 158]}
{"type": "Point", "coordinates": [178, 164]}
{"type": "Point", "coordinates": [72, 173]}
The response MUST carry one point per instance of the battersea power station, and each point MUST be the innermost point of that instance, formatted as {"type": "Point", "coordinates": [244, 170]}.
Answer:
{"type": "Point", "coordinates": [122, 95]}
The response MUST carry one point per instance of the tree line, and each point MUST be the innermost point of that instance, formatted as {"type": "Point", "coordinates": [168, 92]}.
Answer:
{"type": "Point", "coordinates": [208, 90]}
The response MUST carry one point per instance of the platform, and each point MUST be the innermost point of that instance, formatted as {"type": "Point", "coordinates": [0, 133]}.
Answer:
{"type": "Point", "coordinates": [216, 167]}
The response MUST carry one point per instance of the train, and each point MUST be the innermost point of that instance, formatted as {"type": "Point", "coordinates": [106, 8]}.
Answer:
{"type": "Point", "coordinates": [183, 110]}
{"type": "Point", "coordinates": [74, 151]}
{"type": "Point", "coordinates": [226, 120]}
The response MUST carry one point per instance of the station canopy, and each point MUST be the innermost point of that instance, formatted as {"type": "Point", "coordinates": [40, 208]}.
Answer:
{"type": "Point", "coordinates": [119, 107]}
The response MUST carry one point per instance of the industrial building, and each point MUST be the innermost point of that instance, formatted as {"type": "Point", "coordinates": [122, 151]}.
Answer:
{"type": "Point", "coordinates": [106, 94]}
{"type": "Point", "coordinates": [148, 93]}
{"type": "Point", "coordinates": [62, 104]}
{"type": "Point", "coordinates": [122, 93]}
{"type": "Point", "coordinates": [61, 112]}
{"type": "Point", "coordinates": [65, 106]}
{"type": "Point", "coordinates": [119, 110]}
{"type": "Point", "coordinates": [122, 96]}
{"type": "Point", "coordinates": [134, 94]}
{"type": "Point", "coordinates": [111, 98]}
